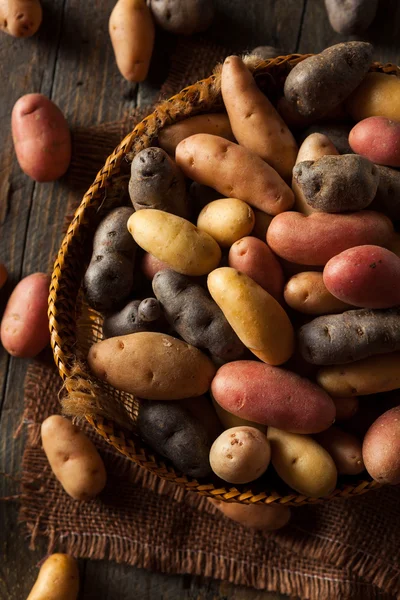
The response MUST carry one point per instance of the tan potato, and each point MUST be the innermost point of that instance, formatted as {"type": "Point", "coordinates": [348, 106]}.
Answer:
{"type": "Point", "coordinates": [378, 95]}
{"type": "Point", "coordinates": [131, 31]}
{"type": "Point", "coordinates": [73, 458]}
{"type": "Point", "coordinates": [3, 275]}
{"type": "Point", "coordinates": [307, 293]}
{"type": "Point", "coordinates": [212, 123]}
{"type": "Point", "coordinates": [368, 376]}
{"type": "Point", "coordinates": [344, 448]}
{"type": "Point", "coordinates": [20, 18]}
{"type": "Point", "coordinates": [152, 365]}
{"type": "Point", "coordinates": [226, 220]}
{"type": "Point", "coordinates": [175, 241]}
{"type": "Point", "coordinates": [255, 123]}
{"type": "Point", "coordinates": [240, 454]}
{"type": "Point", "coordinates": [58, 579]}
{"type": "Point", "coordinates": [229, 420]}
{"type": "Point", "coordinates": [266, 517]}
{"type": "Point", "coordinates": [302, 463]}
{"type": "Point", "coordinates": [262, 222]}
{"type": "Point", "coordinates": [346, 408]}
{"type": "Point", "coordinates": [256, 317]}
{"type": "Point", "coordinates": [234, 171]}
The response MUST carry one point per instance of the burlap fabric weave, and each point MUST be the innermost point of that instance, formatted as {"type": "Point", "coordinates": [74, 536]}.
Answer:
{"type": "Point", "coordinates": [347, 549]}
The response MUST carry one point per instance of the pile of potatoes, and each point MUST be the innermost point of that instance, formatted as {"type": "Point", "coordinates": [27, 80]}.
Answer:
{"type": "Point", "coordinates": [251, 291]}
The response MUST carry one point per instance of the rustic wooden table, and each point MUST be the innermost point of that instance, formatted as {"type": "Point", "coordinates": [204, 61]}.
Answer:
{"type": "Point", "coordinates": [71, 61]}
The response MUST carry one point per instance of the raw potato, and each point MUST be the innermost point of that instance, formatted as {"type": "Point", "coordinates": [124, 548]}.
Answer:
{"type": "Point", "coordinates": [344, 448]}
{"type": "Point", "coordinates": [150, 265]}
{"type": "Point", "coordinates": [315, 239]}
{"type": "Point", "coordinates": [212, 123]}
{"type": "Point", "coordinates": [307, 293]}
{"type": "Point", "coordinates": [58, 579]}
{"type": "Point", "coordinates": [152, 365]}
{"type": "Point", "coordinates": [226, 220]}
{"type": "Point", "coordinates": [3, 275]}
{"type": "Point", "coordinates": [255, 122]}
{"type": "Point", "coordinates": [319, 83]}
{"type": "Point", "coordinates": [234, 171]}
{"type": "Point", "coordinates": [135, 316]}
{"type": "Point", "coordinates": [272, 396]}
{"type": "Point", "coordinates": [368, 376]}
{"type": "Point", "coordinates": [254, 258]}
{"type": "Point", "coordinates": [182, 17]}
{"type": "Point", "coordinates": [131, 31]}
{"type": "Point", "coordinates": [302, 463]}
{"type": "Point", "coordinates": [338, 133]}
{"type": "Point", "coordinates": [262, 222]}
{"type": "Point", "coordinates": [377, 96]}
{"type": "Point", "coordinates": [387, 199]}
{"type": "Point", "coordinates": [175, 241]}
{"type": "Point", "coordinates": [378, 139]}
{"type": "Point", "coordinates": [336, 184]}
{"type": "Point", "coordinates": [255, 516]}
{"type": "Point", "coordinates": [149, 310]}
{"type": "Point", "coordinates": [351, 16]}
{"type": "Point", "coordinates": [229, 420]}
{"type": "Point", "coordinates": [25, 325]}
{"type": "Point", "coordinates": [257, 318]}
{"type": "Point", "coordinates": [20, 18]}
{"type": "Point", "coordinates": [73, 458]}
{"type": "Point", "coordinates": [170, 429]}
{"type": "Point", "coordinates": [156, 182]}
{"type": "Point", "coordinates": [41, 137]}
{"type": "Point", "coordinates": [381, 448]}
{"type": "Point", "coordinates": [346, 408]}
{"type": "Point", "coordinates": [240, 454]}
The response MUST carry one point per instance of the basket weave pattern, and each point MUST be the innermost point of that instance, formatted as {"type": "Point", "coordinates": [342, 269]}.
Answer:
{"type": "Point", "coordinates": [74, 326]}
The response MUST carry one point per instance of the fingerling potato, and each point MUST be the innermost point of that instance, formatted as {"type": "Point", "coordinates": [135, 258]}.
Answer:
{"type": "Point", "coordinates": [58, 579]}
{"type": "Point", "coordinates": [212, 123]}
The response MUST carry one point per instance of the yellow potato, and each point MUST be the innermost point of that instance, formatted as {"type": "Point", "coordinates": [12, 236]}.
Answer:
{"type": "Point", "coordinates": [368, 376]}
{"type": "Point", "coordinates": [262, 222]}
{"type": "Point", "coordinates": [256, 317]}
{"type": "Point", "coordinates": [58, 579]}
{"type": "Point", "coordinates": [226, 220]}
{"type": "Point", "coordinates": [302, 463]}
{"type": "Point", "coordinates": [378, 95]}
{"type": "Point", "coordinates": [255, 123]}
{"type": "Point", "coordinates": [229, 420]}
{"type": "Point", "coordinates": [131, 30]}
{"type": "Point", "coordinates": [20, 18]}
{"type": "Point", "coordinates": [255, 516]}
{"type": "Point", "coordinates": [73, 458]}
{"type": "Point", "coordinates": [307, 293]}
{"type": "Point", "coordinates": [213, 123]}
{"type": "Point", "coordinates": [175, 241]}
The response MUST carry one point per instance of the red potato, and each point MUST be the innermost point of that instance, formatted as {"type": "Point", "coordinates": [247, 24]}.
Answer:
{"type": "Point", "coordinates": [346, 408]}
{"type": "Point", "coordinates": [3, 275]}
{"type": "Point", "coordinates": [381, 448]}
{"type": "Point", "coordinates": [378, 139]}
{"type": "Point", "coordinates": [20, 18]}
{"type": "Point", "coordinates": [255, 516]}
{"type": "Point", "coordinates": [344, 448]}
{"type": "Point", "coordinates": [253, 257]}
{"type": "Point", "coordinates": [272, 396]}
{"type": "Point", "coordinates": [315, 239]}
{"type": "Point", "coordinates": [365, 276]}
{"type": "Point", "coordinates": [42, 140]}
{"type": "Point", "coordinates": [150, 265]}
{"type": "Point", "coordinates": [25, 326]}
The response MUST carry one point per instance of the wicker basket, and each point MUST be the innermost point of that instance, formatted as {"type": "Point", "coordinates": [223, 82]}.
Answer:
{"type": "Point", "coordinates": [74, 326]}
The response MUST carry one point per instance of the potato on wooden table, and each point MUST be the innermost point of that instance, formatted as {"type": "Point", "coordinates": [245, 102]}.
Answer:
{"type": "Point", "coordinates": [381, 448]}
{"type": "Point", "coordinates": [58, 579]}
{"type": "Point", "coordinates": [306, 292]}
{"type": "Point", "coordinates": [351, 16]}
{"type": "Point", "coordinates": [344, 448]}
{"type": "Point", "coordinates": [212, 123]}
{"type": "Point", "coordinates": [181, 16]}
{"type": "Point", "coordinates": [226, 220]}
{"type": "Point", "coordinates": [378, 95]}
{"type": "Point", "coordinates": [378, 139]}
{"type": "Point", "coordinates": [20, 18]}
{"type": "Point", "coordinates": [255, 516]}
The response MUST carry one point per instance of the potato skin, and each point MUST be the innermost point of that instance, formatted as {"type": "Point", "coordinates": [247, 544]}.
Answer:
{"type": "Point", "coordinates": [131, 30]}
{"type": "Point", "coordinates": [212, 123]}
{"type": "Point", "coordinates": [273, 397]}
{"type": "Point", "coordinates": [58, 579]}
{"type": "Point", "coordinates": [378, 139]}
{"type": "Point", "coordinates": [256, 317]}
{"type": "Point", "coordinates": [344, 448]}
{"type": "Point", "coordinates": [376, 96]}
{"type": "Point", "coordinates": [381, 448]}
{"type": "Point", "coordinates": [240, 454]}
{"type": "Point", "coordinates": [321, 82]}
{"type": "Point", "coordinates": [255, 122]}
{"type": "Point", "coordinates": [255, 516]}
{"type": "Point", "coordinates": [213, 161]}
{"type": "Point", "coordinates": [175, 241]}
{"type": "Point", "coordinates": [73, 458]}
{"type": "Point", "coordinates": [366, 276]}
{"type": "Point", "coordinates": [307, 293]}
{"type": "Point", "coordinates": [132, 319]}
{"type": "Point", "coordinates": [346, 408]}
{"type": "Point", "coordinates": [254, 258]}
{"type": "Point", "coordinates": [351, 17]}
{"type": "Point", "coordinates": [25, 325]}
{"type": "Point", "coordinates": [302, 463]}
{"type": "Point", "coordinates": [315, 239]}
{"type": "Point", "coordinates": [152, 365]}
{"type": "Point", "coordinates": [20, 18]}
{"type": "Point", "coordinates": [226, 220]}
{"type": "Point", "coordinates": [150, 265]}
{"type": "Point", "coordinates": [41, 137]}
{"type": "Point", "coordinates": [180, 17]}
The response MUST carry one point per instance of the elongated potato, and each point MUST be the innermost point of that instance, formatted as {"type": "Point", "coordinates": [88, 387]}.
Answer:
{"type": "Point", "coordinates": [381, 448]}
{"type": "Point", "coordinates": [225, 166]}
{"type": "Point", "coordinates": [255, 122]}
{"type": "Point", "coordinates": [131, 31]}
{"type": "Point", "coordinates": [73, 458]}
{"type": "Point", "coordinates": [368, 376]}
{"type": "Point", "coordinates": [255, 516]}
{"type": "Point", "coordinates": [302, 463]}
{"type": "Point", "coordinates": [344, 448]}
{"type": "Point", "coordinates": [346, 408]}
{"type": "Point", "coordinates": [20, 18]}
{"type": "Point", "coordinates": [152, 365]}
{"type": "Point", "coordinates": [58, 579]}
{"type": "Point", "coordinates": [229, 420]}
{"type": "Point", "coordinates": [378, 95]}
{"type": "Point", "coordinates": [307, 293]}
{"type": "Point", "coordinates": [226, 220]}
{"type": "Point", "coordinates": [256, 317]}
{"type": "Point", "coordinates": [175, 241]}
{"type": "Point", "coordinates": [212, 123]}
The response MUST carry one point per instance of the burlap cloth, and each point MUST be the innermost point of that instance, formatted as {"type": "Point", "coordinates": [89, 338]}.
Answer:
{"type": "Point", "coordinates": [346, 549]}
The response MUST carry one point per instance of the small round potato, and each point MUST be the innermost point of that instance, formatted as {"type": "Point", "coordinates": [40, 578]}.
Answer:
{"type": "Point", "coordinates": [307, 293]}
{"type": "Point", "coordinates": [240, 454]}
{"type": "Point", "coordinates": [378, 139]}
{"type": "Point", "coordinates": [226, 220]}
{"type": "Point", "coordinates": [182, 17]}
{"type": "Point", "coordinates": [20, 18]}
{"type": "Point", "coordinates": [376, 96]}
{"type": "Point", "coordinates": [58, 579]}
{"type": "Point", "coordinates": [255, 516]}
